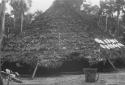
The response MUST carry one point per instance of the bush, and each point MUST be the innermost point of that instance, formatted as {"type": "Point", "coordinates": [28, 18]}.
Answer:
{"type": "Point", "coordinates": [120, 62]}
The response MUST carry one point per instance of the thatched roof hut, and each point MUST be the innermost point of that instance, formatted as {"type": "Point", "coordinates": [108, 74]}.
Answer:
{"type": "Point", "coordinates": [56, 34]}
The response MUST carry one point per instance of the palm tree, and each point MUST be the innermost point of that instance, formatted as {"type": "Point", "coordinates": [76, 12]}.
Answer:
{"type": "Point", "coordinates": [119, 7]}
{"type": "Point", "coordinates": [2, 13]}
{"type": "Point", "coordinates": [19, 9]}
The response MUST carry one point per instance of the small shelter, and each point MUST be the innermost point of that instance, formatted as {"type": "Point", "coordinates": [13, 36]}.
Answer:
{"type": "Point", "coordinates": [109, 45]}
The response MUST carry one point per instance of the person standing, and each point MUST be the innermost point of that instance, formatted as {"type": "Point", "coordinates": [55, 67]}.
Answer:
{"type": "Point", "coordinates": [1, 81]}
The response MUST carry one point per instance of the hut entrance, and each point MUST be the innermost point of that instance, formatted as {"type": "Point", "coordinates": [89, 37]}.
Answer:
{"type": "Point", "coordinates": [74, 66]}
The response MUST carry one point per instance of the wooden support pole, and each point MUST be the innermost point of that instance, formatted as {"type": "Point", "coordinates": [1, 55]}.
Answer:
{"type": "Point", "coordinates": [34, 72]}
{"type": "Point", "coordinates": [111, 62]}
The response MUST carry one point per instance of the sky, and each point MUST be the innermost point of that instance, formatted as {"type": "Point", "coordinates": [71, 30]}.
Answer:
{"type": "Point", "coordinates": [43, 5]}
{"type": "Point", "coordinates": [40, 5]}
{"type": "Point", "coordinates": [94, 2]}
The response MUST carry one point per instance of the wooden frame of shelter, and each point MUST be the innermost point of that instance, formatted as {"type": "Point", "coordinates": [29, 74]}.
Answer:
{"type": "Point", "coordinates": [109, 45]}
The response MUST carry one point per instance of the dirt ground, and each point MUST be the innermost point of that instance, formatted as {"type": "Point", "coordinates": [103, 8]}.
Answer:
{"type": "Point", "coordinates": [104, 79]}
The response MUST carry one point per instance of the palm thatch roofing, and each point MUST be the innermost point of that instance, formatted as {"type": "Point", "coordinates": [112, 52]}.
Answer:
{"type": "Point", "coordinates": [109, 43]}
{"type": "Point", "coordinates": [55, 36]}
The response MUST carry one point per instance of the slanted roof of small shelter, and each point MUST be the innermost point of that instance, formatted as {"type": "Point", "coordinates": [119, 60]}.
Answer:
{"type": "Point", "coordinates": [109, 43]}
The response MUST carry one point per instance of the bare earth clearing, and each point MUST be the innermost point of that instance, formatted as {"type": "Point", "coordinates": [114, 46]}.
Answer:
{"type": "Point", "coordinates": [104, 79]}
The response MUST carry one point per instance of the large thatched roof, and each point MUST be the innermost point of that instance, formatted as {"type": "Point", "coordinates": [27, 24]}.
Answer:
{"type": "Point", "coordinates": [56, 34]}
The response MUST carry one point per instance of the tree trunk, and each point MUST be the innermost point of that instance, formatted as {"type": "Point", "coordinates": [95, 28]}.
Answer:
{"type": "Point", "coordinates": [117, 31]}
{"type": "Point", "coordinates": [17, 24]}
{"type": "Point", "coordinates": [22, 18]}
{"type": "Point", "coordinates": [14, 22]}
{"type": "Point", "coordinates": [106, 27]}
{"type": "Point", "coordinates": [99, 22]}
{"type": "Point", "coordinates": [2, 33]}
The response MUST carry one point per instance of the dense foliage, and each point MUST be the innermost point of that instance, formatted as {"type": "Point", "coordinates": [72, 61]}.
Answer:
{"type": "Point", "coordinates": [62, 33]}
{"type": "Point", "coordinates": [52, 37]}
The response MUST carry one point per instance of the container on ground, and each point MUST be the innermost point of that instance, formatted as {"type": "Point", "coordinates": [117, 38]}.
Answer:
{"type": "Point", "coordinates": [91, 74]}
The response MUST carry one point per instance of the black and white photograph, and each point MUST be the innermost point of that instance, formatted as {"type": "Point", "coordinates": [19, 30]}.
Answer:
{"type": "Point", "coordinates": [62, 42]}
